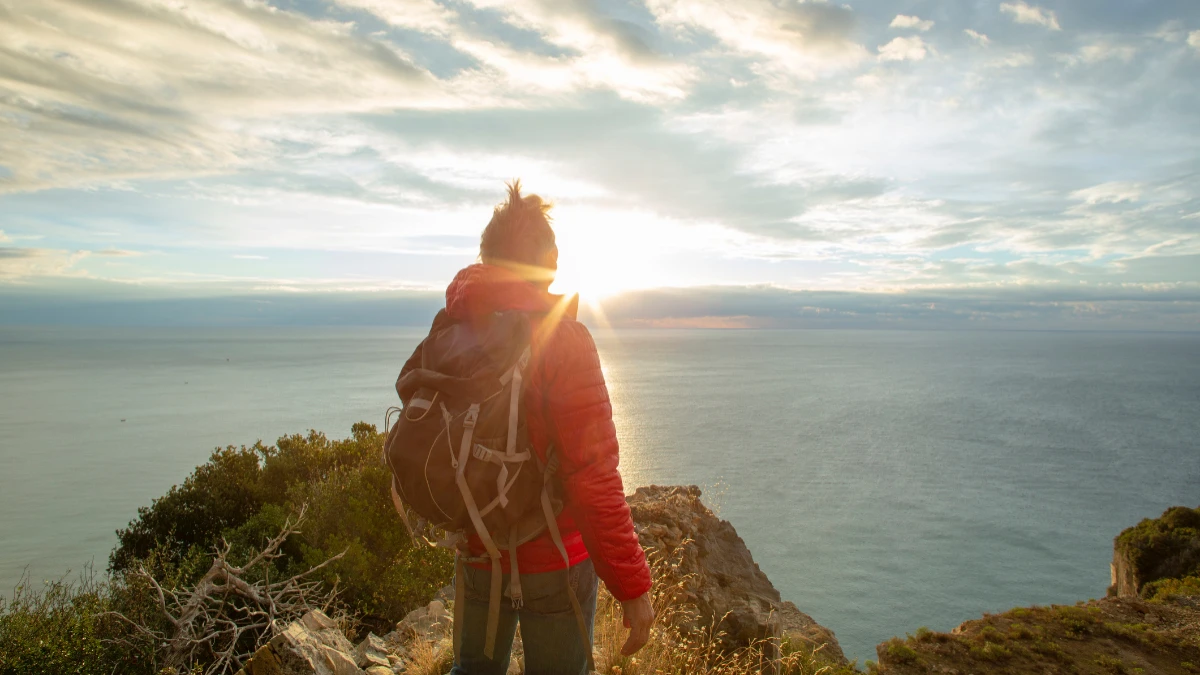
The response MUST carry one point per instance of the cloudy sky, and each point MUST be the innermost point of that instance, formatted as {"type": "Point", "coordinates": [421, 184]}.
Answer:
{"type": "Point", "coordinates": [759, 162]}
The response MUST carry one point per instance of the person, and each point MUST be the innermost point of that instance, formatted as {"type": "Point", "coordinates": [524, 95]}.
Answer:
{"type": "Point", "coordinates": [567, 406]}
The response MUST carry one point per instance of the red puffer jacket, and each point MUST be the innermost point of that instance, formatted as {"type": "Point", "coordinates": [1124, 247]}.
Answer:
{"type": "Point", "coordinates": [565, 401]}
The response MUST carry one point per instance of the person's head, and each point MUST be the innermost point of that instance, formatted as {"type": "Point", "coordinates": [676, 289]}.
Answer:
{"type": "Point", "coordinates": [519, 237]}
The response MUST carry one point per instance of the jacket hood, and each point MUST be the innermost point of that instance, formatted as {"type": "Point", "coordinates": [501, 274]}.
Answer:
{"type": "Point", "coordinates": [481, 289]}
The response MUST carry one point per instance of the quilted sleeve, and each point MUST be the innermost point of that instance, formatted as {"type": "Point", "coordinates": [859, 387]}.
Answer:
{"type": "Point", "coordinates": [581, 414]}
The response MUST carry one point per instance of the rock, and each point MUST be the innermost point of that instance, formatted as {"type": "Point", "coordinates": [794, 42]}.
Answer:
{"type": "Point", "coordinates": [429, 622]}
{"type": "Point", "coordinates": [717, 573]}
{"type": "Point", "coordinates": [371, 652]}
{"type": "Point", "coordinates": [311, 646]}
{"type": "Point", "coordinates": [379, 670]}
{"type": "Point", "coordinates": [1167, 547]}
{"type": "Point", "coordinates": [445, 595]}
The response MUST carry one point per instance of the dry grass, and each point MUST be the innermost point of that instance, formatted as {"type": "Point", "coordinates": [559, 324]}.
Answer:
{"type": "Point", "coordinates": [429, 657]}
{"type": "Point", "coordinates": [672, 649]}
{"type": "Point", "coordinates": [675, 650]}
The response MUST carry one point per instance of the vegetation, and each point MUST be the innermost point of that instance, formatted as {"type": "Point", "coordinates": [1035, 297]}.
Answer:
{"type": "Point", "coordinates": [1167, 547]}
{"type": "Point", "coordinates": [217, 523]}
{"type": "Point", "coordinates": [240, 498]}
{"type": "Point", "coordinates": [244, 495]}
{"type": "Point", "coordinates": [1100, 637]}
{"type": "Point", "coordinates": [65, 627]}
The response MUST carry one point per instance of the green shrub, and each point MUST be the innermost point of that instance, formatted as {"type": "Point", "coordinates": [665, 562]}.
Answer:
{"type": "Point", "coordinates": [1112, 665]}
{"type": "Point", "coordinates": [899, 652]}
{"type": "Point", "coordinates": [1164, 547]}
{"type": "Point", "coordinates": [244, 495]}
{"type": "Point", "coordinates": [991, 651]}
{"type": "Point", "coordinates": [1163, 590]}
{"type": "Point", "coordinates": [66, 627]}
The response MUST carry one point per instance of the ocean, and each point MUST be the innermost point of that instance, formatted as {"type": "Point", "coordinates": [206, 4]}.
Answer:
{"type": "Point", "coordinates": [884, 480]}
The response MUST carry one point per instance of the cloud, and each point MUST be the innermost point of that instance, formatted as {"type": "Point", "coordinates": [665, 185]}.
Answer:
{"type": "Point", "coordinates": [1109, 193]}
{"type": "Point", "coordinates": [250, 257]}
{"type": "Point", "coordinates": [426, 16]}
{"type": "Point", "coordinates": [117, 253]}
{"type": "Point", "coordinates": [1104, 50]}
{"type": "Point", "coordinates": [17, 263]}
{"type": "Point", "coordinates": [1194, 39]}
{"type": "Point", "coordinates": [126, 89]}
{"type": "Point", "coordinates": [582, 48]}
{"type": "Point", "coordinates": [1023, 12]}
{"type": "Point", "coordinates": [1067, 304]}
{"type": "Point", "coordinates": [904, 49]}
{"type": "Point", "coordinates": [801, 38]}
{"type": "Point", "coordinates": [977, 36]}
{"type": "Point", "coordinates": [904, 21]}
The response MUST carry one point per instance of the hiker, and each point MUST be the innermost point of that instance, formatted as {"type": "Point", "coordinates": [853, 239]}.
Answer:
{"type": "Point", "coordinates": [565, 419]}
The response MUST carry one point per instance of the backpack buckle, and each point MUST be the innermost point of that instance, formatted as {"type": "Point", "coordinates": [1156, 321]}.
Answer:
{"type": "Point", "coordinates": [472, 416]}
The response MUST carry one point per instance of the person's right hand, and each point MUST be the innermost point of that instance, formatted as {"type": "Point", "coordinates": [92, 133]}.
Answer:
{"type": "Point", "coordinates": [638, 618]}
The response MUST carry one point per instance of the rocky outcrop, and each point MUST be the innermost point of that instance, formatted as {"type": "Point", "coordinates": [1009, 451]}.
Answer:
{"type": "Point", "coordinates": [705, 563]}
{"type": "Point", "coordinates": [713, 569]}
{"type": "Point", "coordinates": [1167, 547]}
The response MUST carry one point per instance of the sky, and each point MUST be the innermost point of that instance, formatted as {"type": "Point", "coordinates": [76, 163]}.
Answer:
{"type": "Point", "coordinates": [756, 163]}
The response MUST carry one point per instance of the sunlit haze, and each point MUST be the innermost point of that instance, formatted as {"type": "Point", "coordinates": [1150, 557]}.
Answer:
{"type": "Point", "coordinates": [759, 163]}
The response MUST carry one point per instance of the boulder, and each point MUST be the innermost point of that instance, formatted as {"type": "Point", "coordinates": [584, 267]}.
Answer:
{"type": "Point", "coordinates": [713, 569]}
{"type": "Point", "coordinates": [311, 646]}
{"type": "Point", "coordinates": [371, 652]}
{"type": "Point", "coordinates": [430, 622]}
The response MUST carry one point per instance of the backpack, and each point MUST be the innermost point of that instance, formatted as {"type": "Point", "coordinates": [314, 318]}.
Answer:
{"type": "Point", "coordinates": [460, 455]}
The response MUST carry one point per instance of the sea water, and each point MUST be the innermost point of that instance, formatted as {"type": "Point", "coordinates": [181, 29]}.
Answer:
{"type": "Point", "coordinates": [883, 480]}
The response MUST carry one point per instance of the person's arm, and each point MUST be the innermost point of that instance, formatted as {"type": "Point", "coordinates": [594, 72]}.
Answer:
{"type": "Point", "coordinates": [581, 414]}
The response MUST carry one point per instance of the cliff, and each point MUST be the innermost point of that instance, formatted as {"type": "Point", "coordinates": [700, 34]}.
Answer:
{"type": "Point", "coordinates": [724, 613]}
{"type": "Point", "coordinates": [722, 607]}
{"type": "Point", "coordinates": [718, 575]}
{"type": "Point", "coordinates": [1154, 551]}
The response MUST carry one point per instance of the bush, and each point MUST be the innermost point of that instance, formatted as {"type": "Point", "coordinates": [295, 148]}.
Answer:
{"type": "Point", "coordinates": [1163, 590]}
{"type": "Point", "coordinates": [244, 495]}
{"type": "Point", "coordinates": [64, 627]}
{"type": "Point", "coordinates": [1164, 547]}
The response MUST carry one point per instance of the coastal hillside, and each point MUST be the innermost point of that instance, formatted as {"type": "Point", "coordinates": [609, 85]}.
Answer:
{"type": "Point", "coordinates": [303, 532]}
{"type": "Point", "coordinates": [1150, 623]}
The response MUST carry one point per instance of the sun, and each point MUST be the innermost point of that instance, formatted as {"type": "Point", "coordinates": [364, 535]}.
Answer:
{"type": "Point", "coordinates": [599, 259]}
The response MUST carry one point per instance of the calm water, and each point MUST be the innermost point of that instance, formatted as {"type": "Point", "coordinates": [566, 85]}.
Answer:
{"type": "Point", "coordinates": [883, 480]}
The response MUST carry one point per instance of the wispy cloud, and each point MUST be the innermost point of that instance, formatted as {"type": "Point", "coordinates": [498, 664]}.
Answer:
{"type": "Point", "coordinates": [905, 21]}
{"type": "Point", "coordinates": [1023, 12]}
{"type": "Point", "coordinates": [904, 49]}
{"type": "Point", "coordinates": [977, 36]}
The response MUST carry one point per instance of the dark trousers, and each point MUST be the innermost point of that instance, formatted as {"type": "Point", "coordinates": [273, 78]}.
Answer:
{"type": "Point", "coordinates": [549, 631]}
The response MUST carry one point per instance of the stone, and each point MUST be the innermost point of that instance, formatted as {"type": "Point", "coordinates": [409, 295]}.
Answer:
{"type": "Point", "coordinates": [717, 574]}
{"type": "Point", "coordinates": [445, 595]}
{"type": "Point", "coordinates": [371, 652]}
{"type": "Point", "coordinates": [311, 646]}
{"type": "Point", "coordinates": [430, 622]}
{"type": "Point", "coordinates": [379, 670]}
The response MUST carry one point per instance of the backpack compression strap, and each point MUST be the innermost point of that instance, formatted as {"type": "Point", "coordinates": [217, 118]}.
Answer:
{"type": "Point", "coordinates": [513, 379]}
{"type": "Point", "coordinates": [464, 454]}
{"type": "Point", "coordinates": [556, 536]}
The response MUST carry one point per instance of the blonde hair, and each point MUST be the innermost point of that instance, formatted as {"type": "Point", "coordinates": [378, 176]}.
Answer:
{"type": "Point", "coordinates": [519, 232]}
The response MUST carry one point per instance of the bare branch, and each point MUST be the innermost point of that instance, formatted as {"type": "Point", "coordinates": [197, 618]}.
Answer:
{"type": "Point", "coordinates": [231, 611]}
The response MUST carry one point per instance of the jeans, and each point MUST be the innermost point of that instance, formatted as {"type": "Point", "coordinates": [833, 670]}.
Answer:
{"type": "Point", "coordinates": [549, 631]}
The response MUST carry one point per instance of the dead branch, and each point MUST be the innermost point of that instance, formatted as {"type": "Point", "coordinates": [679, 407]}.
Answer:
{"type": "Point", "coordinates": [232, 610]}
